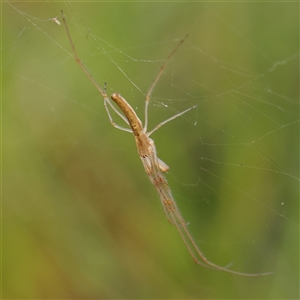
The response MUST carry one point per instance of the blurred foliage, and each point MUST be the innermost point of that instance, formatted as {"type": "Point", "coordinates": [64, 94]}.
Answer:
{"type": "Point", "coordinates": [80, 218]}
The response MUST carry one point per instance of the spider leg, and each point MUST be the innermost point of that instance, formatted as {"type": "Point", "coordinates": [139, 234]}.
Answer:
{"type": "Point", "coordinates": [170, 119]}
{"type": "Point", "coordinates": [102, 92]}
{"type": "Point", "coordinates": [162, 68]}
{"type": "Point", "coordinates": [107, 101]}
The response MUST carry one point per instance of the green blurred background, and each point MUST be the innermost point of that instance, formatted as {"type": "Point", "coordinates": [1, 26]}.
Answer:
{"type": "Point", "coordinates": [80, 219]}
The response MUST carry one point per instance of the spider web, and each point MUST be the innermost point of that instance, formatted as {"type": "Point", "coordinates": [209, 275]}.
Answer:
{"type": "Point", "coordinates": [75, 198]}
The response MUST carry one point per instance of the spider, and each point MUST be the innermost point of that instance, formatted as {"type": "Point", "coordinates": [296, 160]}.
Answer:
{"type": "Point", "coordinates": [154, 167]}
